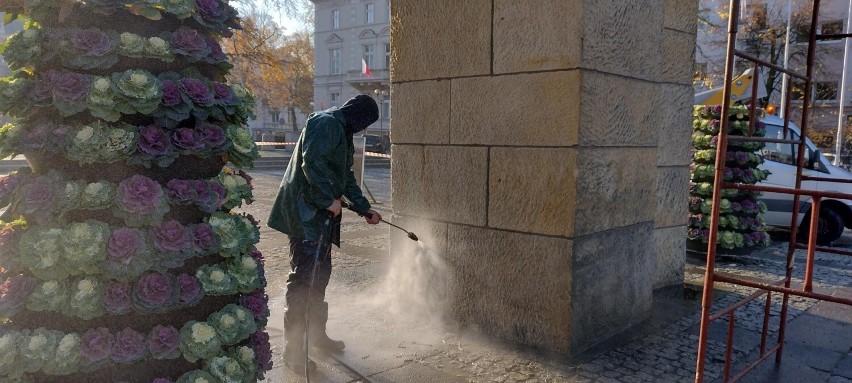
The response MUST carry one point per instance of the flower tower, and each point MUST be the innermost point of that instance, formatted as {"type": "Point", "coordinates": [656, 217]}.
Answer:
{"type": "Point", "coordinates": [120, 257]}
{"type": "Point", "coordinates": [741, 224]}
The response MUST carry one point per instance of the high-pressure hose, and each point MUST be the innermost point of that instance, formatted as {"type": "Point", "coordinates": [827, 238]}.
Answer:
{"type": "Point", "coordinates": [305, 344]}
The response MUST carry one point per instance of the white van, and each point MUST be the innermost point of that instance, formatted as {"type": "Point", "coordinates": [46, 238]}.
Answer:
{"type": "Point", "coordinates": [834, 214]}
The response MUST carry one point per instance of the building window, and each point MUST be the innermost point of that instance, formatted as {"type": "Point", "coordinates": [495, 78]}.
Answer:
{"type": "Point", "coordinates": [275, 115]}
{"type": "Point", "coordinates": [825, 91]}
{"type": "Point", "coordinates": [370, 8]}
{"type": "Point", "coordinates": [368, 55]}
{"type": "Point", "coordinates": [834, 27]}
{"type": "Point", "coordinates": [334, 99]}
{"type": "Point", "coordinates": [386, 110]}
{"type": "Point", "coordinates": [388, 8]}
{"type": "Point", "coordinates": [335, 61]}
{"type": "Point", "coordinates": [335, 19]}
{"type": "Point", "coordinates": [387, 56]}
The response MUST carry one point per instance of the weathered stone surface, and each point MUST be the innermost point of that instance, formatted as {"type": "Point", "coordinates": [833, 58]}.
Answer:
{"type": "Point", "coordinates": [669, 256]}
{"type": "Point", "coordinates": [680, 15]}
{"type": "Point", "coordinates": [532, 190]}
{"type": "Point", "coordinates": [616, 187]}
{"type": "Point", "coordinates": [517, 288]}
{"type": "Point", "coordinates": [611, 285]}
{"type": "Point", "coordinates": [672, 196]}
{"type": "Point", "coordinates": [675, 124]}
{"type": "Point", "coordinates": [623, 37]}
{"type": "Point", "coordinates": [520, 45]}
{"type": "Point", "coordinates": [441, 183]}
{"type": "Point", "coordinates": [421, 112]}
{"type": "Point", "coordinates": [430, 233]}
{"type": "Point", "coordinates": [618, 111]}
{"type": "Point", "coordinates": [440, 39]}
{"type": "Point", "coordinates": [539, 109]}
{"type": "Point", "coordinates": [679, 51]}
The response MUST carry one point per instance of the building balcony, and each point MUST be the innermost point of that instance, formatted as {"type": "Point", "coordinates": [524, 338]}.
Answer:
{"type": "Point", "coordinates": [379, 78]}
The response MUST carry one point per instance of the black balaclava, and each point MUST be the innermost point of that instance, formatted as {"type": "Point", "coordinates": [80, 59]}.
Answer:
{"type": "Point", "coordinates": [359, 111]}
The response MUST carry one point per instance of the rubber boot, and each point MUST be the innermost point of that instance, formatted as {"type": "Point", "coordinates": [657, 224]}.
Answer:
{"type": "Point", "coordinates": [294, 337]}
{"type": "Point", "coordinates": [318, 337]}
{"type": "Point", "coordinates": [294, 349]}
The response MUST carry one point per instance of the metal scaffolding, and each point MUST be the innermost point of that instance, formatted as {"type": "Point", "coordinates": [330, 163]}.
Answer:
{"type": "Point", "coordinates": [784, 286]}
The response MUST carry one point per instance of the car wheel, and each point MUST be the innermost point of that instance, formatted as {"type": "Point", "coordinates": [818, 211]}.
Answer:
{"type": "Point", "coordinates": [830, 226]}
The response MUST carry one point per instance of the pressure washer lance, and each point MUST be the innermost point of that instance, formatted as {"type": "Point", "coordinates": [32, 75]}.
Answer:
{"type": "Point", "coordinates": [411, 235]}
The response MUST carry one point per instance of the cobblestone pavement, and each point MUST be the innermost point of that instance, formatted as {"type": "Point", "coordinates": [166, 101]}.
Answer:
{"type": "Point", "coordinates": [392, 347]}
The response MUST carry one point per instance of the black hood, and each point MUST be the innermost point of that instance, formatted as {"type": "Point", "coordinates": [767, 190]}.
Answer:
{"type": "Point", "coordinates": [359, 111]}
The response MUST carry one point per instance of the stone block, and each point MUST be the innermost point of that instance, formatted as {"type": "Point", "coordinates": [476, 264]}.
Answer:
{"type": "Point", "coordinates": [421, 112]}
{"type": "Point", "coordinates": [616, 188]}
{"type": "Point", "coordinates": [679, 51]}
{"type": "Point", "coordinates": [672, 196]}
{"type": "Point", "coordinates": [540, 109]}
{"type": "Point", "coordinates": [619, 111]}
{"type": "Point", "coordinates": [532, 189]}
{"type": "Point", "coordinates": [518, 287]}
{"type": "Point", "coordinates": [440, 39]}
{"type": "Point", "coordinates": [623, 37]}
{"type": "Point", "coordinates": [680, 15]}
{"type": "Point", "coordinates": [675, 124]}
{"type": "Point", "coordinates": [611, 285]}
{"type": "Point", "coordinates": [441, 183]}
{"type": "Point", "coordinates": [669, 256]}
{"type": "Point", "coordinates": [520, 45]}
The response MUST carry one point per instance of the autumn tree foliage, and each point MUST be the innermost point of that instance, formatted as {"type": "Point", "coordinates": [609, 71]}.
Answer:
{"type": "Point", "coordinates": [276, 68]}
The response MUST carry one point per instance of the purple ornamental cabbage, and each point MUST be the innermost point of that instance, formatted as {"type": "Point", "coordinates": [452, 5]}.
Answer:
{"type": "Point", "coordinates": [171, 93]}
{"type": "Point", "coordinates": [163, 341]}
{"type": "Point", "coordinates": [40, 195]}
{"type": "Point", "coordinates": [212, 135]}
{"type": "Point", "coordinates": [154, 141]}
{"type": "Point", "coordinates": [124, 244]}
{"type": "Point", "coordinates": [154, 289]}
{"type": "Point", "coordinates": [257, 255]}
{"type": "Point", "coordinates": [171, 236]}
{"type": "Point", "coordinates": [139, 194]}
{"type": "Point", "coordinates": [257, 302]}
{"type": "Point", "coordinates": [129, 346]}
{"type": "Point", "coordinates": [161, 380]}
{"type": "Point", "coordinates": [117, 298]}
{"type": "Point", "coordinates": [14, 292]}
{"type": "Point", "coordinates": [209, 9]}
{"type": "Point", "coordinates": [188, 40]}
{"type": "Point", "coordinates": [187, 139]}
{"type": "Point", "coordinates": [259, 342]}
{"type": "Point", "coordinates": [222, 93]}
{"type": "Point", "coordinates": [203, 236]}
{"type": "Point", "coordinates": [190, 288]}
{"type": "Point", "coordinates": [96, 344]}
{"type": "Point", "coordinates": [92, 42]}
{"type": "Point", "coordinates": [180, 191]}
{"type": "Point", "coordinates": [70, 86]}
{"type": "Point", "coordinates": [197, 90]}
{"type": "Point", "coordinates": [216, 51]}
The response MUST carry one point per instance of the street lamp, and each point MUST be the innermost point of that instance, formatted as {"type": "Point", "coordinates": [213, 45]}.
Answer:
{"type": "Point", "coordinates": [381, 95]}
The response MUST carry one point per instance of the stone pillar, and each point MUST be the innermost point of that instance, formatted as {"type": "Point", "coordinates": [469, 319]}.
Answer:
{"type": "Point", "coordinates": [544, 145]}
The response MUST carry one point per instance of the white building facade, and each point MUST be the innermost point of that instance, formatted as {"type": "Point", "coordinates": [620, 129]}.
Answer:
{"type": "Point", "coordinates": [773, 15]}
{"type": "Point", "coordinates": [352, 42]}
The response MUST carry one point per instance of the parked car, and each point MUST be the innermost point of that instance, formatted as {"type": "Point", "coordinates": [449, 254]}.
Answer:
{"type": "Point", "coordinates": [835, 214]}
{"type": "Point", "coordinates": [375, 143]}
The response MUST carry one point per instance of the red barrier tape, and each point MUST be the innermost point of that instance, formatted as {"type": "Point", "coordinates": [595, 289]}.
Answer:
{"type": "Point", "coordinates": [368, 154]}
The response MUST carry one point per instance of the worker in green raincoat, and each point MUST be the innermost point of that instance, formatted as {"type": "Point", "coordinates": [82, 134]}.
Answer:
{"type": "Point", "coordinates": [317, 179]}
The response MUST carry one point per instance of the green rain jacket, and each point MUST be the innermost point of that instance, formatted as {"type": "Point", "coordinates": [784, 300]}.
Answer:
{"type": "Point", "coordinates": [320, 170]}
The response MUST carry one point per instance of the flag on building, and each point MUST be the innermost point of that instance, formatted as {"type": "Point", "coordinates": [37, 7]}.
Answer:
{"type": "Point", "coordinates": [364, 68]}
